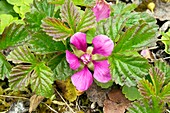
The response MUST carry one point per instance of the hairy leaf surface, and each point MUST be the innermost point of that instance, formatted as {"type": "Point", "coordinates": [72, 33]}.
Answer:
{"type": "Point", "coordinates": [13, 35]}
{"type": "Point", "coordinates": [70, 14]}
{"type": "Point", "coordinates": [127, 71]}
{"type": "Point", "coordinates": [55, 28]}
{"type": "Point", "coordinates": [5, 67]}
{"type": "Point", "coordinates": [43, 44]}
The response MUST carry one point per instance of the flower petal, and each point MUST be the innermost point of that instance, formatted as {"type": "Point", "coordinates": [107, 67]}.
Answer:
{"type": "Point", "coordinates": [101, 71]}
{"type": "Point", "coordinates": [79, 41]}
{"type": "Point", "coordinates": [82, 79]}
{"type": "Point", "coordinates": [101, 10]}
{"type": "Point", "coordinates": [72, 60]}
{"type": "Point", "coordinates": [102, 45]}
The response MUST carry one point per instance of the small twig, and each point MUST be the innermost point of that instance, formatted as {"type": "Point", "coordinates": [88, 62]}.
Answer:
{"type": "Point", "coordinates": [6, 96]}
{"type": "Point", "coordinates": [166, 58]}
{"type": "Point", "coordinates": [50, 107]}
{"type": "Point", "coordinates": [65, 101]}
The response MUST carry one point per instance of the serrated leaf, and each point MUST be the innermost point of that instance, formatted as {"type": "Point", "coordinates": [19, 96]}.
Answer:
{"type": "Point", "coordinates": [157, 78]}
{"type": "Point", "coordinates": [131, 93]}
{"type": "Point", "coordinates": [136, 38]}
{"type": "Point", "coordinates": [13, 35]}
{"type": "Point", "coordinates": [22, 54]}
{"type": "Point", "coordinates": [55, 28]}
{"type": "Point", "coordinates": [165, 68]}
{"type": "Point", "coordinates": [152, 105]}
{"type": "Point", "coordinates": [146, 88]}
{"type": "Point", "coordinates": [87, 21]}
{"type": "Point", "coordinates": [165, 93]}
{"type": "Point", "coordinates": [20, 76]}
{"type": "Point", "coordinates": [42, 80]}
{"type": "Point", "coordinates": [5, 67]}
{"type": "Point", "coordinates": [70, 14]}
{"type": "Point", "coordinates": [44, 44]}
{"type": "Point", "coordinates": [39, 10]}
{"type": "Point", "coordinates": [60, 67]}
{"type": "Point", "coordinates": [166, 40]}
{"type": "Point", "coordinates": [42, 6]}
{"type": "Point", "coordinates": [127, 71]}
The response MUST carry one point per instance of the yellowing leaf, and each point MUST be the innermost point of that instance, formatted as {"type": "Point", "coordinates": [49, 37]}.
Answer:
{"type": "Point", "coordinates": [68, 89]}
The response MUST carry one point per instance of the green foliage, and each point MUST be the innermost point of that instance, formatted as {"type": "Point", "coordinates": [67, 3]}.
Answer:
{"type": "Point", "coordinates": [155, 93]}
{"type": "Point", "coordinates": [30, 71]}
{"type": "Point", "coordinates": [165, 68]}
{"type": "Point", "coordinates": [127, 71]}
{"type": "Point", "coordinates": [39, 10]}
{"type": "Point", "coordinates": [43, 44]}
{"type": "Point", "coordinates": [71, 22]}
{"type": "Point", "coordinates": [5, 67]}
{"type": "Point", "coordinates": [104, 85]}
{"type": "Point", "coordinates": [166, 40]}
{"type": "Point", "coordinates": [55, 28]}
{"type": "Point", "coordinates": [131, 93]}
{"type": "Point", "coordinates": [13, 35]}
{"type": "Point", "coordinates": [60, 67]}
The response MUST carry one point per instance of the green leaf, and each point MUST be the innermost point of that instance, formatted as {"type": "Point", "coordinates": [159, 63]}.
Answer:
{"type": "Point", "coordinates": [131, 93]}
{"type": "Point", "coordinates": [166, 40]}
{"type": "Point", "coordinates": [44, 44]}
{"type": "Point", "coordinates": [55, 28]}
{"type": "Point", "coordinates": [165, 68]}
{"type": "Point", "coordinates": [70, 14]}
{"type": "Point", "coordinates": [127, 71]}
{"type": "Point", "coordinates": [13, 35]}
{"type": "Point", "coordinates": [60, 67]}
{"type": "Point", "coordinates": [39, 10]}
{"type": "Point", "coordinates": [165, 93]}
{"type": "Point", "coordinates": [20, 77]}
{"type": "Point", "coordinates": [6, 8]}
{"type": "Point", "coordinates": [157, 78]}
{"type": "Point", "coordinates": [42, 80]}
{"type": "Point", "coordinates": [22, 54]}
{"type": "Point", "coordinates": [104, 85]}
{"type": "Point", "coordinates": [136, 38]}
{"type": "Point", "coordinates": [152, 105]}
{"type": "Point", "coordinates": [146, 88]}
{"type": "Point", "coordinates": [87, 21]}
{"type": "Point", "coordinates": [5, 67]}
{"type": "Point", "coordinates": [90, 34]}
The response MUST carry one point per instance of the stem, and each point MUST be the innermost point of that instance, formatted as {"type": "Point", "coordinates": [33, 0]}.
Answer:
{"type": "Point", "coordinates": [6, 96]}
{"type": "Point", "coordinates": [65, 101]}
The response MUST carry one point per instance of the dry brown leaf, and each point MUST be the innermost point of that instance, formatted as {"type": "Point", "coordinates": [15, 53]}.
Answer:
{"type": "Point", "coordinates": [117, 103]}
{"type": "Point", "coordinates": [97, 94]}
{"type": "Point", "coordinates": [34, 102]}
{"type": "Point", "coordinates": [162, 10]}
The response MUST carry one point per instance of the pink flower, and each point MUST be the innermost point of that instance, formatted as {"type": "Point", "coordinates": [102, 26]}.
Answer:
{"type": "Point", "coordinates": [93, 58]}
{"type": "Point", "coordinates": [101, 10]}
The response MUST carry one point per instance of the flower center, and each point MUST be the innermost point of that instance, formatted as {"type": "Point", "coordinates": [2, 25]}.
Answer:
{"type": "Point", "coordinates": [86, 58]}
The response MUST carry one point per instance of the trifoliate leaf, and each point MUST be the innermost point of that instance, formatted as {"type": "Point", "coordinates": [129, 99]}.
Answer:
{"type": "Point", "coordinates": [22, 54]}
{"type": "Point", "coordinates": [20, 76]}
{"type": "Point", "coordinates": [131, 93]}
{"type": "Point", "coordinates": [13, 35]}
{"type": "Point", "coordinates": [87, 21]}
{"type": "Point", "coordinates": [55, 28]}
{"type": "Point", "coordinates": [136, 38]}
{"type": "Point", "coordinates": [43, 44]}
{"type": "Point", "coordinates": [70, 14]}
{"type": "Point", "coordinates": [166, 40]}
{"type": "Point", "coordinates": [127, 71]}
{"type": "Point", "coordinates": [165, 68]}
{"type": "Point", "coordinates": [5, 67]}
